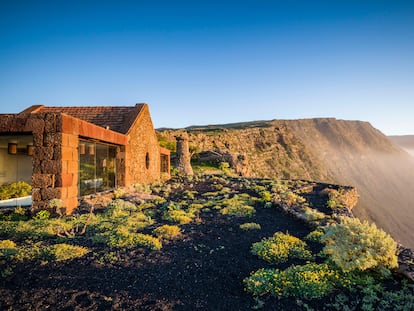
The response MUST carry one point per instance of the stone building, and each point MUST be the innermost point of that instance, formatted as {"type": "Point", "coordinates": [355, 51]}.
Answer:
{"type": "Point", "coordinates": [70, 152]}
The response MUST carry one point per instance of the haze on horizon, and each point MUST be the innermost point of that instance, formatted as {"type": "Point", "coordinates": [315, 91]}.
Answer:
{"type": "Point", "coordinates": [214, 62]}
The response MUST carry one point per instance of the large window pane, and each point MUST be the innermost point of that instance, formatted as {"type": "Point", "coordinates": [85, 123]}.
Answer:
{"type": "Point", "coordinates": [97, 167]}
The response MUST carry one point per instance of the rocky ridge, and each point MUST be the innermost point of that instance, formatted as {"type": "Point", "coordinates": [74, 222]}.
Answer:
{"type": "Point", "coordinates": [325, 150]}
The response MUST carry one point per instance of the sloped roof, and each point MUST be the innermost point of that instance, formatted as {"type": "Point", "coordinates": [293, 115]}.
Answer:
{"type": "Point", "coordinates": [116, 118]}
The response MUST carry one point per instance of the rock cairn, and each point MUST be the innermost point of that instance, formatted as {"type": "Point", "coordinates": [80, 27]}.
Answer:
{"type": "Point", "coordinates": [183, 160]}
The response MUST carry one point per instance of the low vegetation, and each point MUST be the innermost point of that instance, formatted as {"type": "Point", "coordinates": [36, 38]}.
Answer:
{"type": "Point", "coordinates": [343, 264]}
{"type": "Point", "coordinates": [250, 226]}
{"type": "Point", "coordinates": [280, 247]}
{"type": "Point", "coordinates": [15, 190]}
{"type": "Point", "coordinates": [307, 281]}
{"type": "Point", "coordinates": [167, 232]}
{"type": "Point", "coordinates": [355, 245]}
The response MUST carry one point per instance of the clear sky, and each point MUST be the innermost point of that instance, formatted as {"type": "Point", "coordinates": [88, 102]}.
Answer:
{"type": "Point", "coordinates": [209, 62]}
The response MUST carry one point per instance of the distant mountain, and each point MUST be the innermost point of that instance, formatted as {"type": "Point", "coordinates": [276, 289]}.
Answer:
{"type": "Point", "coordinates": [325, 149]}
{"type": "Point", "coordinates": [404, 141]}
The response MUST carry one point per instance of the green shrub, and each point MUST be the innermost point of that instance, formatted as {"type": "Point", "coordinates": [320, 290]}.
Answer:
{"type": "Point", "coordinates": [143, 188]}
{"type": "Point", "coordinates": [355, 245]}
{"type": "Point", "coordinates": [122, 237]}
{"type": "Point", "coordinates": [29, 251]}
{"type": "Point", "coordinates": [315, 236]}
{"type": "Point", "coordinates": [121, 208]}
{"type": "Point", "coordinates": [280, 248]}
{"type": "Point", "coordinates": [165, 143]}
{"type": "Point", "coordinates": [15, 190]}
{"type": "Point", "coordinates": [33, 251]}
{"type": "Point", "coordinates": [239, 210]}
{"type": "Point", "coordinates": [179, 216]}
{"type": "Point", "coordinates": [167, 232]}
{"type": "Point", "coordinates": [188, 194]}
{"type": "Point", "coordinates": [7, 249]}
{"type": "Point", "coordinates": [224, 167]}
{"type": "Point", "coordinates": [266, 196]}
{"type": "Point", "coordinates": [341, 198]}
{"type": "Point", "coordinates": [312, 214]}
{"type": "Point", "coordinates": [42, 215]}
{"type": "Point", "coordinates": [308, 281]}
{"type": "Point", "coordinates": [238, 205]}
{"type": "Point", "coordinates": [282, 193]}
{"type": "Point", "coordinates": [373, 296]}
{"type": "Point", "coordinates": [18, 214]}
{"type": "Point", "coordinates": [109, 258]}
{"type": "Point", "coordinates": [250, 226]}
{"type": "Point", "coordinates": [214, 194]}
{"type": "Point", "coordinates": [225, 191]}
{"type": "Point", "coordinates": [33, 228]}
{"type": "Point", "coordinates": [119, 193]}
{"type": "Point", "coordinates": [60, 252]}
{"type": "Point", "coordinates": [148, 241]}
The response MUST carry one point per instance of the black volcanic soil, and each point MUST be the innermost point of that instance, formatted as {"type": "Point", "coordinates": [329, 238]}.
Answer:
{"type": "Point", "coordinates": [202, 271]}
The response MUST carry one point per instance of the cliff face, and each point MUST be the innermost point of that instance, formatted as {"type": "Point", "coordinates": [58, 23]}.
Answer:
{"type": "Point", "coordinates": [265, 150]}
{"type": "Point", "coordinates": [327, 150]}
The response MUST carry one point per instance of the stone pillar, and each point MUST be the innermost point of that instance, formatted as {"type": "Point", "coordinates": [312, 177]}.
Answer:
{"type": "Point", "coordinates": [183, 155]}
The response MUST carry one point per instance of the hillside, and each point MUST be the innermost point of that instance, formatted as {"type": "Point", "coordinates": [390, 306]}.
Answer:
{"type": "Point", "coordinates": [404, 141]}
{"type": "Point", "coordinates": [327, 150]}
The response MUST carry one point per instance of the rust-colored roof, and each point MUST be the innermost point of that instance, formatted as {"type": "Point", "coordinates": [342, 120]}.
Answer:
{"type": "Point", "coordinates": [116, 118]}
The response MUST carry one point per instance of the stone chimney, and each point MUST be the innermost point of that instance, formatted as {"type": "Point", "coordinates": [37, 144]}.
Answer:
{"type": "Point", "coordinates": [183, 161]}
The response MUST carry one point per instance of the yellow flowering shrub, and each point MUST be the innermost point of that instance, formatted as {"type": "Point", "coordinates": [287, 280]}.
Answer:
{"type": "Point", "coordinates": [122, 237]}
{"type": "Point", "coordinates": [179, 216]}
{"type": "Point", "coordinates": [64, 251]}
{"type": "Point", "coordinates": [280, 248]}
{"type": "Point", "coordinates": [355, 245]}
{"type": "Point", "coordinates": [308, 281]}
{"type": "Point", "coordinates": [167, 232]}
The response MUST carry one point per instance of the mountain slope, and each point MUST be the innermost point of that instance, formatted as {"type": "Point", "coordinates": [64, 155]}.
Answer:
{"type": "Point", "coordinates": [359, 155]}
{"type": "Point", "coordinates": [329, 150]}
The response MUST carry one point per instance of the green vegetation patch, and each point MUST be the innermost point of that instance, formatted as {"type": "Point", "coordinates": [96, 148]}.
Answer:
{"type": "Point", "coordinates": [280, 247]}
{"type": "Point", "coordinates": [283, 193]}
{"type": "Point", "coordinates": [238, 205]}
{"type": "Point", "coordinates": [250, 226]}
{"type": "Point", "coordinates": [64, 251]}
{"type": "Point", "coordinates": [33, 251]}
{"type": "Point", "coordinates": [355, 245]}
{"type": "Point", "coordinates": [308, 281]}
{"type": "Point", "coordinates": [15, 190]}
{"type": "Point", "coordinates": [168, 232]}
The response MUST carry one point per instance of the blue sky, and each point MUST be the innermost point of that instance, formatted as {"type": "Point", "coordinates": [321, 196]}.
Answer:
{"type": "Point", "coordinates": [210, 62]}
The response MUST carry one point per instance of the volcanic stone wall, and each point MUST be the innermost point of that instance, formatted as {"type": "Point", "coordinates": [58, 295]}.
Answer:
{"type": "Point", "coordinates": [142, 153]}
{"type": "Point", "coordinates": [50, 178]}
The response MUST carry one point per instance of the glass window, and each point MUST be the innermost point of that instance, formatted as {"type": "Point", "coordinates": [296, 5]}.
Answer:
{"type": "Point", "coordinates": [16, 167]}
{"type": "Point", "coordinates": [164, 163]}
{"type": "Point", "coordinates": [97, 167]}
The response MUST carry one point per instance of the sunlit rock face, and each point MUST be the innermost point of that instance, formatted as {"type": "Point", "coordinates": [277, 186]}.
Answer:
{"type": "Point", "coordinates": [323, 149]}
